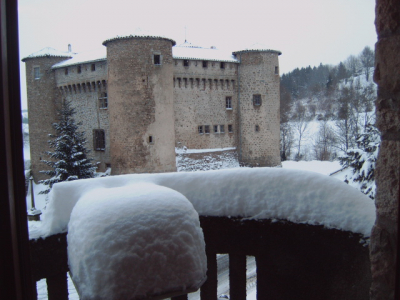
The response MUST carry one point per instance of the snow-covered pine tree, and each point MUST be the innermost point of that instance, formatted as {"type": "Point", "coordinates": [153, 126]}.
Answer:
{"type": "Point", "coordinates": [362, 160]}
{"type": "Point", "coordinates": [69, 158]}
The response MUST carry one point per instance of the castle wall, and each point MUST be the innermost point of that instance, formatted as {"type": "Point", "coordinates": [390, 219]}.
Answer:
{"type": "Point", "coordinates": [43, 100]}
{"type": "Point", "coordinates": [200, 100]}
{"type": "Point", "coordinates": [259, 134]}
{"type": "Point", "coordinates": [85, 90]}
{"type": "Point", "coordinates": [142, 132]}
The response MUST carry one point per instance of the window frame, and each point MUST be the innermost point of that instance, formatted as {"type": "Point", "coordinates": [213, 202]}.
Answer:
{"type": "Point", "coordinates": [215, 128]}
{"type": "Point", "coordinates": [230, 128]}
{"type": "Point", "coordinates": [36, 72]}
{"type": "Point", "coordinates": [99, 139]}
{"type": "Point", "coordinates": [103, 101]}
{"type": "Point", "coordinates": [157, 58]}
{"type": "Point", "coordinates": [221, 128]}
{"type": "Point", "coordinates": [257, 100]}
{"type": "Point", "coordinates": [200, 129]}
{"type": "Point", "coordinates": [205, 64]}
{"type": "Point", "coordinates": [228, 102]}
{"type": "Point", "coordinates": [207, 129]}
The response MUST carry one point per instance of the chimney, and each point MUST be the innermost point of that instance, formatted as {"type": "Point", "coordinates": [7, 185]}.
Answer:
{"type": "Point", "coordinates": [69, 48]}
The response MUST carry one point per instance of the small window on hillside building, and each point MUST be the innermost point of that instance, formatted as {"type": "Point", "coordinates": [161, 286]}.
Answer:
{"type": "Point", "coordinates": [186, 63]}
{"type": "Point", "coordinates": [99, 141]}
{"type": "Point", "coordinates": [228, 102]}
{"type": "Point", "coordinates": [222, 65]}
{"type": "Point", "coordinates": [256, 100]}
{"type": "Point", "coordinates": [215, 128]}
{"type": "Point", "coordinates": [79, 69]}
{"type": "Point", "coordinates": [103, 101]}
{"type": "Point", "coordinates": [221, 128]}
{"type": "Point", "coordinates": [200, 129]}
{"type": "Point", "coordinates": [66, 71]}
{"type": "Point", "coordinates": [207, 129]}
{"type": "Point", "coordinates": [93, 67]}
{"type": "Point", "coordinates": [157, 59]}
{"type": "Point", "coordinates": [230, 128]}
{"type": "Point", "coordinates": [36, 72]}
{"type": "Point", "coordinates": [205, 64]}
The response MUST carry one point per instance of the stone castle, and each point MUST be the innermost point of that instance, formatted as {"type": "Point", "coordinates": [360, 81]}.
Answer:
{"type": "Point", "coordinates": [145, 96]}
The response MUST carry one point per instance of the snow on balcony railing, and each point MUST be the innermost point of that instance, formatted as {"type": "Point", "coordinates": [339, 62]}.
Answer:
{"type": "Point", "coordinates": [259, 193]}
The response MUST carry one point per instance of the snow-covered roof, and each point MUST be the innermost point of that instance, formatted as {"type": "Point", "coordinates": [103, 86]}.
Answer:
{"type": "Point", "coordinates": [99, 54]}
{"type": "Point", "coordinates": [139, 33]}
{"type": "Point", "coordinates": [187, 51]}
{"type": "Point", "coordinates": [259, 193]}
{"type": "Point", "coordinates": [48, 52]}
{"type": "Point", "coordinates": [258, 48]}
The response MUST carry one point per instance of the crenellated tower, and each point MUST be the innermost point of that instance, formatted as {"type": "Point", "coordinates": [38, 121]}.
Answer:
{"type": "Point", "coordinates": [258, 107]}
{"type": "Point", "coordinates": [140, 93]}
{"type": "Point", "coordinates": [43, 100]}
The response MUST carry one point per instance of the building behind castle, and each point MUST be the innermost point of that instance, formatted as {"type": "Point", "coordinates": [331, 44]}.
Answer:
{"type": "Point", "coordinates": [145, 96]}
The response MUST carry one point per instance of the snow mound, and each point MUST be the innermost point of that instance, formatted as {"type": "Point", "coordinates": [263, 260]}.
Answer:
{"type": "Point", "coordinates": [270, 193]}
{"type": "Point", "coordinates": [135, 241]}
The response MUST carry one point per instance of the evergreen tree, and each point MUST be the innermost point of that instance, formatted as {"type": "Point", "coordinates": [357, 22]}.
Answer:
{"type": "Point", "coordinates": [68, 159]}
{"type": "Point", "coordinates": [362, 160]}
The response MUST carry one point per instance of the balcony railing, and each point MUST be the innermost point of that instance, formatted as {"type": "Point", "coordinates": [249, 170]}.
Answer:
{"type": "Point", "coordinates": [294, 261]}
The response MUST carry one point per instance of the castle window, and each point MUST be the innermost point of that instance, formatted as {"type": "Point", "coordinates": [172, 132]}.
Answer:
{"type": "Point", "coordinates": [256, 100]}
{"type": "Point", "coordinates": [230, 128]}
{"type": "Point", "coordinates": [215, 128]}
{"type": "Point", "coordinates": [228, 103]}
{"type": "Point", "coordinates": [276, 70]}
{"type": "Point", "coordinates": [103, 101]}
{"type": "Point", "coordinates": [151, 140]}
{"type": "Point", "coordinates": [157, 59]}
{"type": "Point", "coordinates": [205, 64]}
{"type": "Point", "coordinates": [186, 63]}
{"type": "Point", "coordinates": [93, 67]}
{"type": "Point", "coordinates": [222, 65]}
{"type": "Point", "coordinates": [79, 69]}
{"type": "Point", "coordinates": [66, 71]}
{"type": "Point", "coordinates": [221, 128]}
{"type": "Point", "coordinates": [36, 72]}
{"type": "Point", "coordinates": [200, 129]}
{"type": "Point", "coordinates": [257, 128]}
{"type": "Point", "coordinates": [99, 141]}
{"type": "Point", "coordinates": [207, 129]}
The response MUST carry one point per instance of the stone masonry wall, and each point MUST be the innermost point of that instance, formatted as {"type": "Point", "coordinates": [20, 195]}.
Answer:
{"type": "Point", "coordinates": [43, 98]}
{"type": "Point", "coordinates": [141, 106]}
{"type": "Point", "coordinates": [387, 75]}
{"type": "Point", "coordinates": [259, 133]}
{"type": "Point", "coordinates": [84, 90]}
{"type": "Point", "coordinates": [200, 100]}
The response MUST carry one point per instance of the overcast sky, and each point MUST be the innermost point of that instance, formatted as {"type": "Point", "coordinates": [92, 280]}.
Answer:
{"type": "Point", "coordinates": [308, 32]}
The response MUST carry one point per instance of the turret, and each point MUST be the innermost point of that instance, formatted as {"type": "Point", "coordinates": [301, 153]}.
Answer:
{"type": "Point", "coordinates": [140, 91]}
{"type": "Point", "coordinates": [258, 100]}
{"type": "Point", "coordinates": [43, 98]}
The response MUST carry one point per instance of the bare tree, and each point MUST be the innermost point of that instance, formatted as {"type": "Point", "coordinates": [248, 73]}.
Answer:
{"type": "Point", "coordinates": [286, 140]}
{"type": "Point", "coordinates": [367, 58]}
{"type": "Point", "coordinates": [324, 142]}
{"type": "Point", "coordinates": [300, 127]}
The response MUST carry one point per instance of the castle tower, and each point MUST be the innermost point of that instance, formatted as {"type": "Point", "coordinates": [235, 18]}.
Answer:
{"type": "Point", "coordinates": [43, 97]}
{"type": "Point", "coordinates": [259, 107]}
{"type": "Point", "coordinates": [140, 92]}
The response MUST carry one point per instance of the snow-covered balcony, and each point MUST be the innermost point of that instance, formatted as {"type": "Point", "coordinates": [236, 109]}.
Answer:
{"type": "Point", "coordinates": [308, 232]}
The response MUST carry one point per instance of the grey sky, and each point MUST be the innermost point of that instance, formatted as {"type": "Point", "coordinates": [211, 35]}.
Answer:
{"type": "Point", "coordinates": [307, 32]}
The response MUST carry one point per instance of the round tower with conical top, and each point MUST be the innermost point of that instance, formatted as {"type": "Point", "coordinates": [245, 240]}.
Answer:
{"type": "Point", "coordinates": [140, 93]}
{"type": "Point", "coordinates": [259, 107]}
